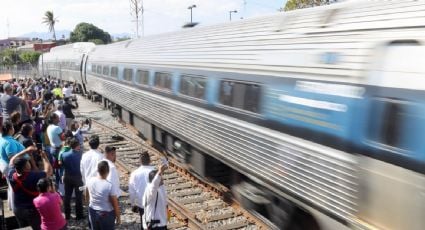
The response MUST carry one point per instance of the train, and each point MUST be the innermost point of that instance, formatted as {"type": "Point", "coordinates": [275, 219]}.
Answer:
{"type": "Point", "coordinates": [313, 118]}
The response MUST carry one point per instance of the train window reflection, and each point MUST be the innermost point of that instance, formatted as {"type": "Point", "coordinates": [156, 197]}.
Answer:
{"type": "Point", "coordinates": [162, 80]}
{"type": "Point", "coordinates": [128, 74]}
{"type": "Point", "coordinates": [106, 70]}
{"type": "Point", "coordinates": [114, 72]}
{"type": "Point", "coordinates": [93, 68]}
{"type": "Point", "coordinates": [99, 69]}
{"type": "Point", "coordinates": [193, 86]}
{"type": "Point", "coordinates": [142, 77]}
{"type": "Point", "coordinates": [244, 96]}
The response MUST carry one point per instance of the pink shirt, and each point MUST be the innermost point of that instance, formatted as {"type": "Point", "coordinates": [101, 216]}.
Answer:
{"type": "Point", "coordinates": [49, 206]}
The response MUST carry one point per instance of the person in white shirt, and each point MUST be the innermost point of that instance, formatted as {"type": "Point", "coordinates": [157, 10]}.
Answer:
{"type": "Point", "coordinates": [90, 159]}
{"type": "Point", "coordinates": [155, 201]}
{"type": "Point", "coordinates": [104, 210]}
{"type": "Point", "coordinates": [138, 182]}
{"type": "Point", "coordinates": [62, 118]}
{"type": "Point", "coordinates": [67, 91]}
{"type": "Point", "coordinates": [113, 176]}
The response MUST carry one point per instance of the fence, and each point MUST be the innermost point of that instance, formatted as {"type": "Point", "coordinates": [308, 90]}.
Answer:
{"type": "Point", "coordinates": [20, 71]}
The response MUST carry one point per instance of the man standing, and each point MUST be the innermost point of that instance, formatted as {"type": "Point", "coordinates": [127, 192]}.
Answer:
{"type": "Point", "coordinates": [138, 182]}
{"type": "Point", "coordinates": [155, 202]}
{"type": "Point", "coordinates": [62, 117]}
{"type": "Point", "coordinates": [67, 110]}
{"type": "Point", "coordinates": [113, 177]}
{"type": "Point", "coordinates": [54, 133]}
{"type": "Point", "coordinates": [67, 91]}
{"type": "Point", "coordinates": [72, 179]}
{"type": "Point", "coordinates": [90, 159]}
{"type": "Point", "coordinates": [10, 103]}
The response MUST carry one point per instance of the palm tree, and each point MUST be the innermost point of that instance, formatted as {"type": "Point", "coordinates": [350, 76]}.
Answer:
{"type": "Point", "coordinates": [50, 21]}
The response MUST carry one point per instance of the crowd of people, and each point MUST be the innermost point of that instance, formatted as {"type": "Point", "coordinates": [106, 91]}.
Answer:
{"type": "Point", "coordinates": [43, 160]}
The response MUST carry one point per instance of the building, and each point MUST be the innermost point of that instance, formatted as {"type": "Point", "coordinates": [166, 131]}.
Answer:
{"type": "Point", "coordinates": [13, 42]}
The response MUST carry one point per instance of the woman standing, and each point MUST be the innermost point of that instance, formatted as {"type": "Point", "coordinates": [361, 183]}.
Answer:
{"type": "Point", "coordinates": [48, 204]}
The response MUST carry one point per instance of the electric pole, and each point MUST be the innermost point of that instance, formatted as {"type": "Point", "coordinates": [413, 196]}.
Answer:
{"type": "Point", "coordinates": [137, 11]}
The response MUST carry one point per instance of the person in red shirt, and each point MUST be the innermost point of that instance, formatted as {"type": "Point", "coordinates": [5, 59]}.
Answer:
{"type": "Point", "coordinates": [48, 204]}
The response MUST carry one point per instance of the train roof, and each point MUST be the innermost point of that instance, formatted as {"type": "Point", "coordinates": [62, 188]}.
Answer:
{"type": "Point", "coordinates": [336, 41]}
{"type": "Point", "coordinates": [72, 51]}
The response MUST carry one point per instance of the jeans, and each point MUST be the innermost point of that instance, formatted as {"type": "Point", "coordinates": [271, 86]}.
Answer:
{"type": "Point", "coordinates": [28, 216]}
{"type": "Point", "coordinates": [101, 220]}
{"type": "Point", "coordinates": [72, 184]}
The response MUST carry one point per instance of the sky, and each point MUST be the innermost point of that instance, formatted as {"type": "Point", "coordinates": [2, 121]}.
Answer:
{"type": "Point", "coordinates": [19, 17]}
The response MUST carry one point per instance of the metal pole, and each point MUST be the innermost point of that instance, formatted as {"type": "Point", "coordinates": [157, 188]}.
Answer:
{"type": "Point", "coordinates": [230, 14]}
{"type": "Point", "coordinates": [42, 59]}
{"type": "Point", "coordinates": [190, 8]}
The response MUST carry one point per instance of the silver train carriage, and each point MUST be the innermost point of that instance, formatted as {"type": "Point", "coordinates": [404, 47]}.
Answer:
{"type": "Point", "coordinates": [66, 62]}
{"type": "Point", "coordinates": [318, 112]}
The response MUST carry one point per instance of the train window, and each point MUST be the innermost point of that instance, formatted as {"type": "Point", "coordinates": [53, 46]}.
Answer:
{"type": "Point", "coordinates": [106, 70]}
{"type": "Point", "coordinates": [240, 95]}
{"type": "Point", "coordinates": [162, 80]}
{"type": "Point", "coordinates": [114, 72]}
{"type": "Point", "coordinates": [128, 74]}
{"type": "Point", "coordinates": [142, 77]}
{"type": "Point", "coordinates": [99, 69]}
{"type": "Point", "coordinates": [193, 86]}
{"type": "Point", "coordinates": [93, 68]}
{"type": "Point", "coordinates": [389, 122]}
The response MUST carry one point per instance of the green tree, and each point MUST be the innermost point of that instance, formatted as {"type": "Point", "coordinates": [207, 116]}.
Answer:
{"type": "Point", "coordinates": [85, 32]}
{"type": "Point", "coordinates": [30, 57]}
{"type": "Point", "coordinates": [9, 57]}
{"type": "Point", "coordinates": [299, 4]}
{"type": "Point", "coordinates": [50, 21]}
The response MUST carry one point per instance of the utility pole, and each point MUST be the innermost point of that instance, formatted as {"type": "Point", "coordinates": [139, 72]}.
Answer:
{"type": "Point", "coordinates": [8, 28]}
{"type": "Point", "coordinates": [190, 8]}
{"type": "Point", "coordinates": [42, 60]}
{"type": "Point", "coordinates": [230, 14]}
{"type": "Point", "coordinates": [137, 10]}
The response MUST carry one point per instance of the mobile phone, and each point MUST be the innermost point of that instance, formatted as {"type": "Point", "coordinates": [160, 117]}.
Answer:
{"type": "Point", "coordinates": [164, 161]}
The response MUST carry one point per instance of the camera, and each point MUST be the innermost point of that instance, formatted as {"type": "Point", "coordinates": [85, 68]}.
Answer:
{"type": "Point", "coordinates": [151, 223]}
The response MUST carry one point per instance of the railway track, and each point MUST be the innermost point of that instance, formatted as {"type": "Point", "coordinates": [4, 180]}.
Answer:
{"type": "Point", "coordinates": [195, 204]}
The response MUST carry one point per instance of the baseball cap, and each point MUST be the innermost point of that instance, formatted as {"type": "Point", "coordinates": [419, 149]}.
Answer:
{"type": "Point", "coordinates": [7, 85]}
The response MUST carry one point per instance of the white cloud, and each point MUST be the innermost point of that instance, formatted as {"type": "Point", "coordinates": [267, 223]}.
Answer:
{"type": "Point", "coordinates": [114, 16]}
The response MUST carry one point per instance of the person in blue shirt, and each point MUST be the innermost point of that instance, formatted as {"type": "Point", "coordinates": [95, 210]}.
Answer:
{"type": "Point", "coordinates": [72, 179]}
{"type": "Point", "coordinates": [9, 146]}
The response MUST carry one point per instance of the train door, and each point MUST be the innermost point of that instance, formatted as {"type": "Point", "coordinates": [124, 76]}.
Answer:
{"type": "Point", "coordinates": [392, 191]}
{"type": "Point", "coordinates": [83, 72]}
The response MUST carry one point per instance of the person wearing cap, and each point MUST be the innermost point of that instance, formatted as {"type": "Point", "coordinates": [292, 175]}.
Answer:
{"type": "Point", "coordinates": [10, 103]}
{"type": "Point", "coordinates": [113, 176]}
{"type": "Point", "coordinates": [155, 201]}
{"type": "Point", "coordinates": [23, 181]}
{"type": "Point", "coordinates": [90, 159]}
{"type": "Point", "coordinates": [138, 182]}
{"type": "Point", "coordinates": [72, 179]}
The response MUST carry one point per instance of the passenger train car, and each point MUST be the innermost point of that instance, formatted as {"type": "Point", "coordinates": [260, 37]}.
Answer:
{"type": "Point", "coordinates": [313, 117]}
{"type": "Point", "coordinates": [66, 62]}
